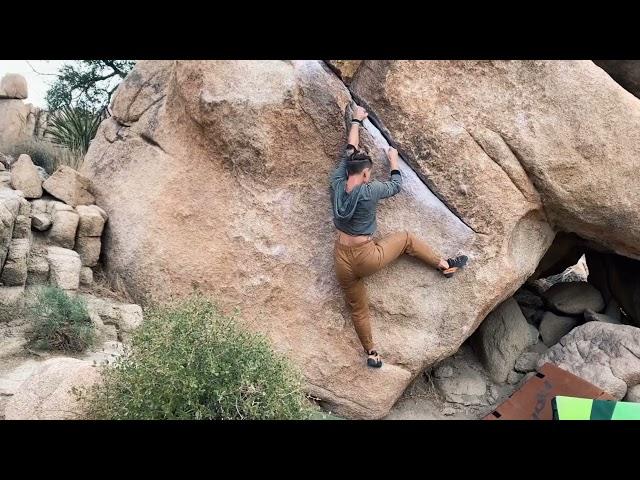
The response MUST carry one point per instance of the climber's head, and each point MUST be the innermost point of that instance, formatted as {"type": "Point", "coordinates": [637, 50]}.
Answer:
{"type": "Point", "coordinates": [360, 164]}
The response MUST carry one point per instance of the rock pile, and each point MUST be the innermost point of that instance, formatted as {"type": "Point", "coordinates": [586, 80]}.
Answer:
{"type": "Point", "coordinates": [50, 232]}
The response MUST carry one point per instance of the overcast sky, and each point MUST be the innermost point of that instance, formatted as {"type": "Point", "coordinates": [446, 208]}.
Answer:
{"type": "Point", "coordinates": [37, 84]}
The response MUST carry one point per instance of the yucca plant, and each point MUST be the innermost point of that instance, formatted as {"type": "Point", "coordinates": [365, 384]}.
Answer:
{"type": "Point", "coordinates": [73, 128]}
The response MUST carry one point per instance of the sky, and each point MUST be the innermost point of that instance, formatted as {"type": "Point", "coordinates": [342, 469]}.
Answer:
{"type": "Point", "coordinates": [37, 85]}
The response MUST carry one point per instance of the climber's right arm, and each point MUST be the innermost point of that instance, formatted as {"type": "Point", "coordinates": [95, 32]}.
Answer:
{"type": "Point", "coordinates": [359, 114]}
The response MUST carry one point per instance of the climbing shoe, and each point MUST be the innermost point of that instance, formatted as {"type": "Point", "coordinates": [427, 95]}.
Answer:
{"type": "Point", "coordinates": [455, 264]}
{"type": "Point", "coordinates": [374, 359]}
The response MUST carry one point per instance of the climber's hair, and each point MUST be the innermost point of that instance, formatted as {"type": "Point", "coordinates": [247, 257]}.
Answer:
{"type": "Point", "coordinates": [358, 161]}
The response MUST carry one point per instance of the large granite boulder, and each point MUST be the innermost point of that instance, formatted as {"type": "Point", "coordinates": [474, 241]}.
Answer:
{"type": "Point", "coordinates": [214, 176]}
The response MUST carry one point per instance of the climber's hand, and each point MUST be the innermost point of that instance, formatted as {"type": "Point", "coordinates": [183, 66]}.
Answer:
{"type": "Point", "coordinates": [360, 113]}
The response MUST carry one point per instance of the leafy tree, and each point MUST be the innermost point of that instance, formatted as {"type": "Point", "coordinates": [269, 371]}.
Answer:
{"type": "Point", "coordinates": [87, 84]}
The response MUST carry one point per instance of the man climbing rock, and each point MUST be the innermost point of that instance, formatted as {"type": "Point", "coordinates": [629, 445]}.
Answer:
{"type": "Point", "coordinates": [357, 254]}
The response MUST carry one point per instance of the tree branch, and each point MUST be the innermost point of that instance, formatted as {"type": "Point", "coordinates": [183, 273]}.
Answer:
{"type": "Point", "coordinates": [41, 73]}
{"type": "Point", "coordinates": [115, 68]}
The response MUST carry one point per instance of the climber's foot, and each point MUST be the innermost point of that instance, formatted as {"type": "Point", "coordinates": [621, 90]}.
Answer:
{"type": "Point", "coordinates": [455, 264]}
{"type": "Point", "coordinates": [374, 359]}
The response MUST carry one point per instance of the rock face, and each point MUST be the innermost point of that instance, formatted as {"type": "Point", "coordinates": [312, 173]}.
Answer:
{"type": "Point", "coordinates": [69, 186]}
{"type": "Point", "coordinates": [248, 147]}
{"type": "Point", "coordinates": [522, 127]}
{"type": "Point", "coordinates": [604, 354]}
{"type": "Point", "coordinates": [573, 298]}
{"type": "Point", "coordinates": [25, 177]}
{"type": "Point", "coordinates": [345, 69]}
{"type": "Point", "coordinates": [47, 395]}
{"type": "Point", "coordinates": [502, 338]}
{"type": "Point", "coordinates": [13, 85]}
{"type": "Point", "coordinates": [633, 394]}
{"type": "Point", "coordinates": [554, 327]}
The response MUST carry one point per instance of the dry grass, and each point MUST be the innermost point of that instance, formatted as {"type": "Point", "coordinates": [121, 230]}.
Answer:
{"type": "Point", "coordinates": [106, 287]}
{"type": "Point", "coordinates": [47, 154]}
{"type": "Point", "coordinates": [423, 387]}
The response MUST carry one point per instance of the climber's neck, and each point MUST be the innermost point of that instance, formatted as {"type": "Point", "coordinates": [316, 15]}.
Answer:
{"type": "Point", "coordinates": [353, 181]}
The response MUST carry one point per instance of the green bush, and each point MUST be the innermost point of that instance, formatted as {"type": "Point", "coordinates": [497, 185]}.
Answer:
{"type": "Point", "coordinates": [187, 361]}
{"type": "Point", "coordinates": [60, 321]}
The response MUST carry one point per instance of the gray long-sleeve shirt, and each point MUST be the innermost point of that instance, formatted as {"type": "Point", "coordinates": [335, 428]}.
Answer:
{"type": "Point", "coordinates": [355, 212]}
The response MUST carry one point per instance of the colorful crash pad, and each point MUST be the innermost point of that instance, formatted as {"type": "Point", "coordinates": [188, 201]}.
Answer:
{"type": "Point", "coordinates": [533, 400]}
{"type": "Point", "coordinates": [572, 408]}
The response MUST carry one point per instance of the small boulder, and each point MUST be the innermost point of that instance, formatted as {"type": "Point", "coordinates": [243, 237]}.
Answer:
{"type": "Point", "coordinates": [538, 348]}
{"type": "Point", "coordinates": [92, 220]}
{"type": "Point", "coordinates": [48, 393]}
{"type": "Point", "coordinates": [64, 267]}
{"type": "Point", "coordinates": [89, 250]}
{"type": "Point", "coordinates": [514, 377]}
{"type": "Point", "coordinates": [14, 272]}
{"type": "Point", "coordinates": [528, 298]}
{"type": "Point", "coordinates": [573, 298]}
{"type": "Point", "coordinates": [554, 327]}
{"type": "Point", "coordinates": [25, 177]}
{"type": "Point", "coordinates": [14, 86]}
{"type": "Point", "coordinates": [527, 362]}
{"type": "Point", "coordinates": [462, 387]}
{"type": "Point", "coordinates": [125, 317]}
{"type": "Point", "coordinates": [502, 338]}
{"type": "Point", "coordinates": [86, 276]}
{"type": "Point", "coordinates": [64, 226]}
{"type": "Point", "coordinates": [69, 186]}
{"type": "Point", "coordinates": [41, 221]}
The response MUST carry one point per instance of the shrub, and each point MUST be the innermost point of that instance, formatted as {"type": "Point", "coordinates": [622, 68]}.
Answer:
{"type": "Point", "coordinates": [187, 361]}
{"type": "Point", "coordinates": [60, 321]}
{"type": "Point", "coordinates": [73, 128]}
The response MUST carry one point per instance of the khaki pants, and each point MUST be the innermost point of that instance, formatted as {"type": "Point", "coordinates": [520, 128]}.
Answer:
{"type": "Point", "coordinates": [354, 263]}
